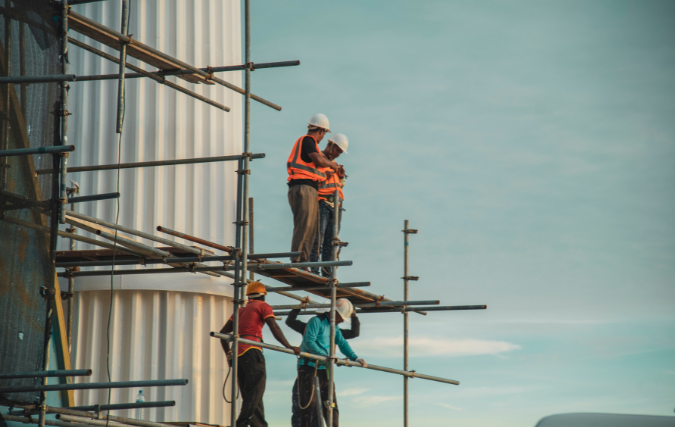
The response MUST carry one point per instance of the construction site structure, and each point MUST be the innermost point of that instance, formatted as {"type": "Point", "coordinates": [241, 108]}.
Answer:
{"type": "Point", "coordinates": [154, 330]}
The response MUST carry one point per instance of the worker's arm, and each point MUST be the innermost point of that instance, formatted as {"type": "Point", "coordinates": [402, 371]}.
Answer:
{"type": "Point", "coordinates": [311, 337]}
{"type": "Point", "coordinates": [355, 330]}
{"type": "Point", "coordinates": [295, 324]}
{"type": "Point", "coordinates": [279, 335]}
{"type": "Point", "coordinates": [344, 346]}
{"type": "Point", "coordinates": [321, 161]}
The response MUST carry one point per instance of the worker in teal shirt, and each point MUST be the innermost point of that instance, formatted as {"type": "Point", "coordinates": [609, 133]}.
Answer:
{"type": "Point", "coordinates": [317, 341]}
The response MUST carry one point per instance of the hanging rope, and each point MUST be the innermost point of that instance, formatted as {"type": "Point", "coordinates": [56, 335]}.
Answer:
{"type": "Point", "coordinates": [311, 397]}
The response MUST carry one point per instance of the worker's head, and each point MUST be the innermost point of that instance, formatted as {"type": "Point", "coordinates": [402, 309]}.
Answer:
{"type": "Point", "coordinates": [344, 310]}
{"type": "Point", "coordinates": [318, 126]}
{"type": "Point", "coordinates": [256, 290]}
{"type": "Point", "coordinates": [337, 144]}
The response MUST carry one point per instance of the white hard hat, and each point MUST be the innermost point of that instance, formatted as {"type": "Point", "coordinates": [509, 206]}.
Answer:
{"type": "Point", "coordinates": [340, 139]}
{"type": "Point", "coordinates": [345, 308]}
{"type": "Point", "coordinates": [320, 120]}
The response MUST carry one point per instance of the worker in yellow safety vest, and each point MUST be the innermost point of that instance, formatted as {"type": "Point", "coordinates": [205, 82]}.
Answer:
{"type": "Point", "coordinates": [304, 178]}
{"type": "Point", "coordinates": [323, 243]}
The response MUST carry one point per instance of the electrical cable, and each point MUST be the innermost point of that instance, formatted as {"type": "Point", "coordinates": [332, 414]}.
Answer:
{"type": "Point", "coordinates": [229, 371]}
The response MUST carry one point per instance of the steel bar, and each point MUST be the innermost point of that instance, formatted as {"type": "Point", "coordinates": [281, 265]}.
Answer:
{"type": "Point", "coordinates": [360, 305]}
{"type": "Point", "coordinates": [319, 398]}
{"type": "Point", "coordinates": [316, 288]}
{"type": "Point", "coordinates": [129, 40]}
{"type": "Point", "coordinates": [72, 236]}
{"type": "Point", "coordinates": [63, 160]}
{"type": "Point", "coordinates": [120, 406]}
{"type": "Point", "coordinates": [56, 78]}
{"type": "Point", "coordinates": [138, 233]}
{"type": "Point", "coordinates": [91, 386]}
{"type": "Point", "coordinates": [94, 198]}
{"type": "Point", "coordinates": [250, 234]}
{"type": "Point", "coordinates": [405, 320]}
{"type": "Point", "coordinates": [395, 310]}
{"type": "Point", "coordinates": [103, 263]}
{"type": "Point", "coordinates": [76, 2]}
{"type": "Point", "coordinates": [275, 266]}
{"type": "Point", "coordinates": [132, 244]}
{"type": "Point", "coordinates": [68, 412]}
{"type": "Point", "coordinates": [193, 238]}
{"type": "Point", "coordinates": [333, 302]}
{"type": "Point", "coordinates": [154, 163]}
{"type": "Point", "coordinates": [39, 374]}
{"type": "Point", "coordinates": [142, 72]}
{"type": "Point", "coordinates": [124, 30]}
{"type": "Point", "coordinates": [54, 149]}
{"type": "Point", "coordinates": [26, 420]}
{"type": "Point", "coordinates": [94, 422]}
{"type": "Point", "coordinates": [343, 362]}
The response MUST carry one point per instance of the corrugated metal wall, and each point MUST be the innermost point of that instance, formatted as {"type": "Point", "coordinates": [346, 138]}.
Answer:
{"type": "Point", "coordinates": [160, 323]}
{"type": "Point", "coordinates": [155, 335]}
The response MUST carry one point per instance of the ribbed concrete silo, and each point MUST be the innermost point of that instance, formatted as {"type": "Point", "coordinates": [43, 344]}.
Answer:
{"type": "Point", "coordinates": [160, 323]}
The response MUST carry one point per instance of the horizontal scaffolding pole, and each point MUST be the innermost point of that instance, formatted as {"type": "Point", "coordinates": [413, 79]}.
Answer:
{"type": "Point", "coordinates": [164, 56]}
{"type": "Point", "coordinates": [160, 80]}
{"type": "Point", "coordinates": [91, 386]}
{"type": "Point", "coordinates": [188, 269]}
{"type": "Point", "coordinates": [44, 374]}
{"type": "Point", "coordinates": [26, 420]}
{"type": "Point", "coordinates": [94, 198]}
{"type": "Point", "coordinates": [95, 418]}
{"type": "Point", "coordinates": [356, 304]}
{"type": "Point", "coordinates": [194, 239]}
{"type": "Point", "coordinates": [300, 265]}
{"type": "Point", "coordinates": [398, 310]}
{"type": "Point", "coordinates": [103, 423]}
{"type": "Point", "coordinates": [409, 374]}
{"type": "Point", "coordinates": [120, 406]}
{"type": "Point", "coordinates": [47, 230]}
{"type": "Point", "coordinates": [152, 163]}
{"type": "Point", "coordinates": [54, 149]}
{"type": "Point", "coordinates": [56, 78]}
{"type": "Point", "coordinates": [104, 263]}
{"type": "Point", "coordinates": [316, 288]}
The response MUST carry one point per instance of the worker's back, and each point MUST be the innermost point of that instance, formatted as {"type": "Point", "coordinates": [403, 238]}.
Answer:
{"type": "Point", "coordinates": [251, 321]}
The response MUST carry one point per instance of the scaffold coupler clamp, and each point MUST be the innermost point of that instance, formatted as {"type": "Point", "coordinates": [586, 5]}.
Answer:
{"type": "Point", "coordinates": [410, 231]}
{"type": "Point", "coordinates": [412, 373]}
{"type": "Point", "coordinates": [243, 171]}
{"type": "Point", "coordinates": [379, 300]}
{"type": "Point", "coordinates": [413, 278]}
{"type": "Point", "coordinates": [250, 66]}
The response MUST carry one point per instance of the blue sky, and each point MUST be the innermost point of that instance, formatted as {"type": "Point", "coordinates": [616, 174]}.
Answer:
{"type": "Point", "coordinates": [533, 145]}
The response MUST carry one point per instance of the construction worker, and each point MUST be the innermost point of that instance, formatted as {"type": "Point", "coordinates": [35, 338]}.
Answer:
{"type": "Point", "coordinates": [304, 178]}
{"type": "Point", "coordinates": [251, 374]}
{"type": "Point", "coordinates": [299, 327]}
{"type": "Point", "coordinates": [323, 243]}
{"type": "Point", "coordinates": [316, 340]}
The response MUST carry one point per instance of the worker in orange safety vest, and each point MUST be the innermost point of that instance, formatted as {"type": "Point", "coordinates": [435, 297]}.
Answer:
{"type": "Point", "coordinates": [323, 243]}
{"type": "Point", "coordinates": [304, 177]}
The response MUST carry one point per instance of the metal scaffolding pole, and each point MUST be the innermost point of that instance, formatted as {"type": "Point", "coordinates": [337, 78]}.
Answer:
{"type": "Point", "coordinates": [92, 386]}
{"type": "Point", "coordinates": [40, 374]}
{"type": "Point", "coordinates": [333, 294]}
{"type": "Point", "coordinates": [341, 362]}
{"type": "Point", "coordinates": [406, 232]}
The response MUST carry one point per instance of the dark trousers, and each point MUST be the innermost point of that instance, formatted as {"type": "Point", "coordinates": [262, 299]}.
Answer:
{"type": "Point", "coordinates": [296, 413]}
{"type": "Point", "coordinates": [304, 202]}
{"type": "Point", "coordinates": [252, 377]}
{"type": "Point", "coordinates": [324, 238]}
{"type": "Point", "coordinates": [305, 385]}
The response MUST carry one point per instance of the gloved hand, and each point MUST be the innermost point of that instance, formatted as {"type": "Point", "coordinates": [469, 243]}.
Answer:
{"type": "Point", "coordinates": [362, 362]}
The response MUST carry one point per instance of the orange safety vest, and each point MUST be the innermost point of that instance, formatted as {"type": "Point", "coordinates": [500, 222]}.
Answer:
{"type": "Point", "coordinates": [328, 187]}
{"type": "Point", "coordinates": [298, 169]}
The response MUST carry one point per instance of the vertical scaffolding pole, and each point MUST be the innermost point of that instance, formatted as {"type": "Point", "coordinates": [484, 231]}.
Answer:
{"type": "Point", "coordinates": [250, 232]}
{"type": "Point", "coordinates": [405, 322]}
{"type": "Point", "coordinates": [6, 116]}
{"type": "Point", "coordinates": [242, 212]}
{"type": "Point", "coordinates": [333, 282]}
{"type": "Point", "coordinates": [64, 117]}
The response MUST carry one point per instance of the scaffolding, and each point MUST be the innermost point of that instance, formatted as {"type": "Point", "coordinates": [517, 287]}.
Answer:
{"type": "Point", "coordinates": [120, 250]}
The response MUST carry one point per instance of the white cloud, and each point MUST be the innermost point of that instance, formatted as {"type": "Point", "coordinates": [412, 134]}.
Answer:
{"type": "Point", "coordinates": [445, 405]}
{"type": "Point", "coordinates": [374, 400]}
{"type": "Point", "coordinates": [427, 346]}
{"type": "Point", "coordinates": [352, 391]}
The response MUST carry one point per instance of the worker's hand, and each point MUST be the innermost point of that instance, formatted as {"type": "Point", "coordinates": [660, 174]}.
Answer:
{"type": "Point", "coordinates": [341, 171]}
{"type": "Point", "coordinates": [296, 350]}
{"type": "Point", "coordinates": [228, 356]}
{"type": "Point", "coordinates": [362, 362]}
{"type": "Point", "coordinates": [329, 173]}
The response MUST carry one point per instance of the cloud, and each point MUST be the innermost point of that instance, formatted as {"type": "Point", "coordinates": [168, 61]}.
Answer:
{"type": "Point", "coordinates": [374, 400]}
{"type": "Point", "coordinates": [427, 346]}
{"type": "Point", "coordinates": [445, 405]}
{"type": "Point", "coordinates": [352, 391]}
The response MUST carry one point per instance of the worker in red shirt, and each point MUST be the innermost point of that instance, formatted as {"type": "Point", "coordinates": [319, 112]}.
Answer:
{"type": "Point", "coordinates": [251, 374]}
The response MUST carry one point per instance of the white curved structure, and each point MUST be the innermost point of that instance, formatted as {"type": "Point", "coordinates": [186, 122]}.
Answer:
{"type": "Point", "coordinates": [160, 322]}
